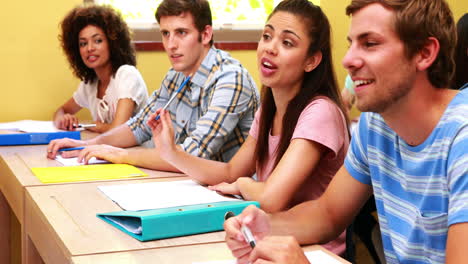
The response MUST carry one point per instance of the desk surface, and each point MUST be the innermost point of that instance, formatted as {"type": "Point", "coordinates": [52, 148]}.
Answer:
{"type": "Point", "coordinates": [179, 255]}
{"type": "Point", "coordinates": [60, 219]}
{"type": "Point", "coordinates": [15, 167]}
{"type": "Point", "coordinates": [64, 217]}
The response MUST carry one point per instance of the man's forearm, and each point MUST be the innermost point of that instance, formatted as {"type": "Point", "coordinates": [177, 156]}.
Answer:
{"type": "Point", "coordinates": [307, 222]}
{"type": "Point", "coordinates": [120, 136]}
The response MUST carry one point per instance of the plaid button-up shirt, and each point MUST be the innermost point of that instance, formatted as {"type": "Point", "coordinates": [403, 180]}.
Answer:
{"type": "Point", "coordinates": [212, 114]}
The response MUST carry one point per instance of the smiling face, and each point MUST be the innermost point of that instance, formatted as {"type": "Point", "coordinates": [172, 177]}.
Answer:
{"type": "Point", "coordinates": [94, 47]}
{"type": "Point", "coordinates": [376, 60]}
{"type": "Point", "coordinates": [185, 46]}
{"type": "Point", "coordinates": [282, 52]}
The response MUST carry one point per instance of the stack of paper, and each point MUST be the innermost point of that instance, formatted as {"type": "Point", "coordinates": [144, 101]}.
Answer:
{"type": "Point", "coordinates": [74, 161]}
{"type": "Point", "coordinates": [154, 195]}
{"type": "Point", "coordinates": [30, 126]}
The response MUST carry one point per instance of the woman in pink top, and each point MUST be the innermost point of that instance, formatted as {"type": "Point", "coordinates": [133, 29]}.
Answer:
{"type": "Point", "coordinates": [299, 137]}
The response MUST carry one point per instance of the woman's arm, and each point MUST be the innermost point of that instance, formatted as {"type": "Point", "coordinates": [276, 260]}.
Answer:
{"type": "Point", "coordinates": [205, 171]}
{"type": "Point", "coordinates": [124, 111]}
{"type": "Point", "coordinates": [64, 116]}
{"type": "Point", "coordinates": [298, 162]}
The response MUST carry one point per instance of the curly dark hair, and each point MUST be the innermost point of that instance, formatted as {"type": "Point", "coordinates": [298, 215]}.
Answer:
{"type": "Point", "coordinates": [117, 32]}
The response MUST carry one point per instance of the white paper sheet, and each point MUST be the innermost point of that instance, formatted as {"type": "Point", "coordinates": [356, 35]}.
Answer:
{"type": "Point", "coordinates": [154, 195]}
{"type": "Point", "coordinates": [74, 161]}
{"type": "Point", "coordinates": [316, 256]}
{"type": "Point", "coordinates": [30, 126]}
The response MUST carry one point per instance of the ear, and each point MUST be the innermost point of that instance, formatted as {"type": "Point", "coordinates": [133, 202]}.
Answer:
{"type": "Point", "coordinates": [428, 54]}
{"type": "Point", "coordinates": [313, 61]}
{"type": "Point", "coordinates": [207, 34]}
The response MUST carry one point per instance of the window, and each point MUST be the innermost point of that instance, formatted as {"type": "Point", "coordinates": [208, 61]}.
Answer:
{"type": "Point", "coordinates": [234, 21]}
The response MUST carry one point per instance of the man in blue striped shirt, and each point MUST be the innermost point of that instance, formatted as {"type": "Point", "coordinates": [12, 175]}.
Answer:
{"type": "Point", "coordinates": [410, 148]}
{"type": "Point", "coordinates": [213, 112]}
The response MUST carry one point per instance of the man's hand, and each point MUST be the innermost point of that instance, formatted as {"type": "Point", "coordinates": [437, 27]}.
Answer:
{"type": "Point", "coordinates": [56, 144]}
{"type": "Point", "coordinates": [278, 249]}
{"type": "Point", "coordinates": [258, 222]}
{"type": "Point", "coordinates": [105, 152]}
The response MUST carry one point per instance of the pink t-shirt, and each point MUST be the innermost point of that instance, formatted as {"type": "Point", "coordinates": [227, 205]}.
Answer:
{"type": "Point", "coordinates": [323, 122]}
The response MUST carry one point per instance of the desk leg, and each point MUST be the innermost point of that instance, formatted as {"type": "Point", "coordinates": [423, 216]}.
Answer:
{"type": "Point", "coordinates": [5, 231]}
{"type": "Point", "coordinates": [30, 254]}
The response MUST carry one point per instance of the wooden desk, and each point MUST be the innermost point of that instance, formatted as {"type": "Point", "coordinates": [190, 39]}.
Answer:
{"type": "Point", "coordinates": [179, 255]}
{"type": "Point", "coordinates": [15, 175]}
{"type": "Point", "coordinates": [61, 222]}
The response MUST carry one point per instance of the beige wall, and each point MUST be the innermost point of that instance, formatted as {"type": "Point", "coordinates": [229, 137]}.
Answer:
{"type": "Point", "coordinates": [35, 75]}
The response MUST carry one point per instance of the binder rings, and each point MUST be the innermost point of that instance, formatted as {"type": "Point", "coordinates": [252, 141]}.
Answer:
{"type": "Point", "coordinates": [175, 221]}
{"type": "Point", "coordinates": [35, 138]}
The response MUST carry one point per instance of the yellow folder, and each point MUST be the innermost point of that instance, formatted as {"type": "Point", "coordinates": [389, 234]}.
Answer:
{"type": "Point", "coordinates": [87, 173]}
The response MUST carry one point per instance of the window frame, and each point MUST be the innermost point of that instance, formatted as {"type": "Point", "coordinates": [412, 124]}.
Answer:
{"type": "Point", "coordinates": [146, 36]}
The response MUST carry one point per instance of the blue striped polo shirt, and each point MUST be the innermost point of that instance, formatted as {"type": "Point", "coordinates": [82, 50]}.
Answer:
{"type": "Point", "coordinates": [419, 190]}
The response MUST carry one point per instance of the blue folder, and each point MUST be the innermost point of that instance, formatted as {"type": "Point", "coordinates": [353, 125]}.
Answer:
{"type": "Point", "coordinates": [175, 221]}
{"type": "Point", "coordinates": [35, 138]}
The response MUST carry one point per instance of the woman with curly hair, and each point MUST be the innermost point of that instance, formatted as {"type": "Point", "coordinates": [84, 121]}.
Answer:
{"type": "Point", "coordinates": [96, 41]}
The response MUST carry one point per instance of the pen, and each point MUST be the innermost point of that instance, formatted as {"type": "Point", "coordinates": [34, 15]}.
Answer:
{"type": "Point", "coordinates": [70, 149]}
{"type": "Point", "coordinates": [244, 229]}
{"type": "Point", "coordinates": [175, 94]}
{"type": "Point", "coordinates": [84, 125]}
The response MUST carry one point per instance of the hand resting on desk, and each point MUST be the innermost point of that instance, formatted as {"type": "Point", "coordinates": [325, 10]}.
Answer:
{"type": "Point", "coordinates": [57, 144]}
{"type": "Point", "coordinates": [103, 152]}
{"type": "Point", "coordinates": [226, 188]}
{"type": "Point", "coordinates": [66, 122]}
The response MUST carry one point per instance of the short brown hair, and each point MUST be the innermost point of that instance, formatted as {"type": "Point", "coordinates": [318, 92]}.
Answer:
{"type": "Point", "coordinates": [415, 22]}
{"type": "Point", "coordinates": [200, 10]}
{"type": "Point", "coordinates": [121, 50]}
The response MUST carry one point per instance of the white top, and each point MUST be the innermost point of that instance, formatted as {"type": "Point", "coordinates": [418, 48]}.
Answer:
{"type": "Point", "coordinates": [127, 83]}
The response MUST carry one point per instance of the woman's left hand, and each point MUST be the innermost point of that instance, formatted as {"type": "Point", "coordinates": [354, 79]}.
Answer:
{"type": "Point", "coordinates": [226, 188]}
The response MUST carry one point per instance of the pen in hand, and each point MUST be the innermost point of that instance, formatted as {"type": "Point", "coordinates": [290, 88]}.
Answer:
{"type": "Point", "coordinates": [244, 229]}
{"type": "Point", "coordinates": [70, 149]}
{"type": "Point", "coordinates": [83, 125]}
{"type": "Point", "coordinates": [175, 94]}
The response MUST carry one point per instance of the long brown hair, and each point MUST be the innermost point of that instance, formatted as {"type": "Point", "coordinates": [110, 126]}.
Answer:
{"type": "Point", "coordinates": [320, 81]}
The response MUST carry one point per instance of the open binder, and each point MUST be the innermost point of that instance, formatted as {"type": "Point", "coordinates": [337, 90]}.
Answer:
{"type": "Point", "coordinates": [35, 138]}
{"type": "Point", "coordinates": [175, 221]}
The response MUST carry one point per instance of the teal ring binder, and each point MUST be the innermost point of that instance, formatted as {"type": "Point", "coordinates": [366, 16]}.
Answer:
{"type": "Point", "coordinates": [175, 221]}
